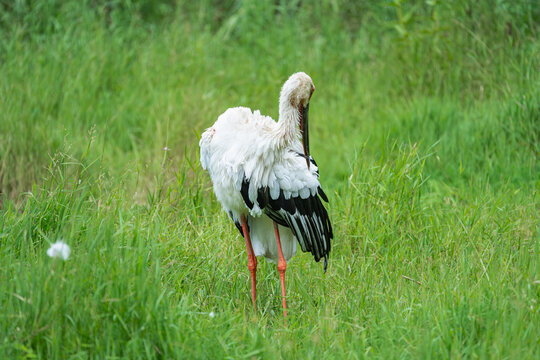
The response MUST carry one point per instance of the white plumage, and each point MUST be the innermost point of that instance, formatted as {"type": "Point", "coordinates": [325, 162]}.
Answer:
{"type": "Point", "coordinates": [259, 172]}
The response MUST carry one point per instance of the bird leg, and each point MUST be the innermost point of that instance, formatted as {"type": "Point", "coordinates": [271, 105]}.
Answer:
{"type": "Point", "coordinates": [252, 261]}
{"type": "Point", "coordinates": [282, 266]}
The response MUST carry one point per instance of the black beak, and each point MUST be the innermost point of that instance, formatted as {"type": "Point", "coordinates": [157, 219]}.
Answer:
{"type": "Point", "coordinates": [304, 128]}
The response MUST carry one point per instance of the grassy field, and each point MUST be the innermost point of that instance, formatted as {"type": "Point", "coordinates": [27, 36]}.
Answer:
{"type": "Point", "coordinates": [426, 127]}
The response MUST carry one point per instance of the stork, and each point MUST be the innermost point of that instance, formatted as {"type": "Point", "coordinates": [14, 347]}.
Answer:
{"type": "Point", "coordinates": [267, 182]}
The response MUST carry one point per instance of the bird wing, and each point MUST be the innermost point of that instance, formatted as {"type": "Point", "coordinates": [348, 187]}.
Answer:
{"type": "Point", "coordinates": [237, 154]}
{"type": "Point", "coordinates": [292, 198]}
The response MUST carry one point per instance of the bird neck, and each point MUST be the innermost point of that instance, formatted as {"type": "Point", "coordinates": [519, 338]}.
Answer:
{"type": "Point", "coordinates": [289, 117]}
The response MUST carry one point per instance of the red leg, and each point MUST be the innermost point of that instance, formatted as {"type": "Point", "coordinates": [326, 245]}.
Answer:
{"type": "Point", "coordinates": [282, 266]}
{"type": "Point", "coordinates": [252, 261]}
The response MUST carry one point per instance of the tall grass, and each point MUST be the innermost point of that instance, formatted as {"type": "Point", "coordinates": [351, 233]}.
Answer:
{"type": "Point", "coordinates": [425, 126]}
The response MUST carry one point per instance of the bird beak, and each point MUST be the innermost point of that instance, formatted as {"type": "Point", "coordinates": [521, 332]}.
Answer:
{"type": "Point", "coordinates": [304, 129]}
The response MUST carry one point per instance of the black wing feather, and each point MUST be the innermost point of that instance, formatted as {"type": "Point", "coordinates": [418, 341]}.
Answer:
{"type": "Point", "coordinates": [244, 190]}
{"type": "Point", "coordinates": [322, 194]}
{"type": "Point", "coordinates": [309, 222]}
{"type": "Point", "coordinates": [237, 223]}
{"type": "Point", "coordinates": [307, 218]}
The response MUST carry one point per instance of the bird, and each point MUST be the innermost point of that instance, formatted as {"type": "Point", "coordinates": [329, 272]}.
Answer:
{"type": "Point", "coordinates": [267, 181]}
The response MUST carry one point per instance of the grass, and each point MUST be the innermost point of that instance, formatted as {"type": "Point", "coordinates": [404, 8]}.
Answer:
{"type": "Point", "coordinates": [425, 124]}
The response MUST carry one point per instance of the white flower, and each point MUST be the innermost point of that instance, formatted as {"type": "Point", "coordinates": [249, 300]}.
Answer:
{"type": "Point", "coordinates": [211, 314]}
{"type": "Point", "coordinates": [59, 249]}
{"type": "Point", "coordinates": [166, 149]}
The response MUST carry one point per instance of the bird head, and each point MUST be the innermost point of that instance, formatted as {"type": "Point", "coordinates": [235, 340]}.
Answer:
{"type": "Point", "coordinates": [296, 93]}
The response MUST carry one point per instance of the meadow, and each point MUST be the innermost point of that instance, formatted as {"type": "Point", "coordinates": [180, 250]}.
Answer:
{"type": "Point", "coordinates": [425, 124]}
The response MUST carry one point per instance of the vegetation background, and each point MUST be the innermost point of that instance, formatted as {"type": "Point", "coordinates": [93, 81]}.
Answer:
{"type": "Point", "coordinates": [426, 127]}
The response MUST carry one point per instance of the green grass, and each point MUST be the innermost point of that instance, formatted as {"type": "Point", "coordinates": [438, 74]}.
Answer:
{"type": "Point", "coordinates": [426, 127]}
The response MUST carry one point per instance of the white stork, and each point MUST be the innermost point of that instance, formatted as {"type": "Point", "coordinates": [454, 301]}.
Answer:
{"type": "Point", "coordinates": [261, 167]}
